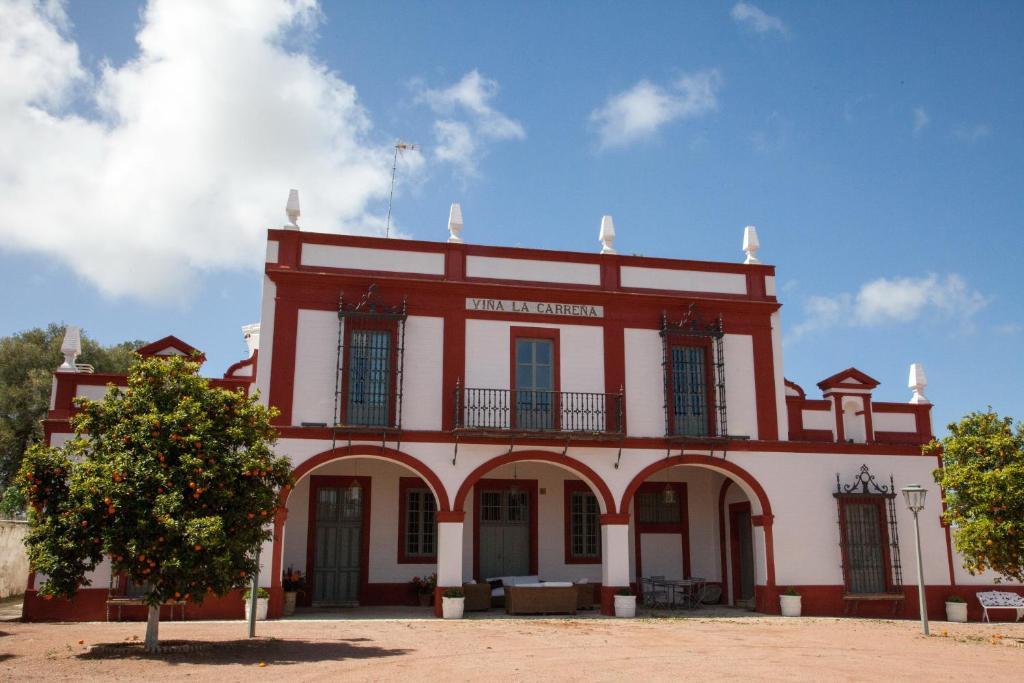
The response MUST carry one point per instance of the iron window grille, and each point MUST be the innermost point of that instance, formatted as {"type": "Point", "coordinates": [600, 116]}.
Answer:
{"type": "Point", "coordinates": [868, 535]}
{"type": "Point", "coordinates": [370, 364]}
{"type": "Point", "coordinates": [693, 365]}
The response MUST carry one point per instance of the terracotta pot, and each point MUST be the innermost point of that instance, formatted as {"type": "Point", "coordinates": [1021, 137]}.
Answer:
{"type": "Point", "coordinates": [289, 603]}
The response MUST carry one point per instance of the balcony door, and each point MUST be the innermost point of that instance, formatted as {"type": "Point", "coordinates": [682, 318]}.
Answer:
{"type": "Point", "coordinates": [534, 384]}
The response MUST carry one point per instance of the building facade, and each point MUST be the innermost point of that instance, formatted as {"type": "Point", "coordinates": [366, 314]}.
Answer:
{"type": "Point", "coordinates": [485, 412]}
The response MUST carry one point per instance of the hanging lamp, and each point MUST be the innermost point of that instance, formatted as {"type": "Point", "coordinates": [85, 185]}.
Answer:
{"type": "Point", "coordinates": [355, 490]}
{"type": "Point", "coordinates": [668, 495]}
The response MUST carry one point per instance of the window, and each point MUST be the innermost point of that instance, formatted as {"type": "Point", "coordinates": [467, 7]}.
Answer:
{"type": "Point", "coordinates": [583, 524]}
{"type": "Point", "coordinates": [651, 508]}
{"type": "Point", "coordinates": [689, 390]}
{"type": "Point", "coordinates": [862, 521]}
{"type": "Point", "coordinates": [535, 398]}
{"type": "Point", "coordinates": [369, 378]}
{"type": "Point", "coordinates": [417, 522]}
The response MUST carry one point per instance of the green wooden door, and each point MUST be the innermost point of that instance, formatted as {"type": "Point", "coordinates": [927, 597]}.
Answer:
{"type": "Point", "coordinates": [336, 561]}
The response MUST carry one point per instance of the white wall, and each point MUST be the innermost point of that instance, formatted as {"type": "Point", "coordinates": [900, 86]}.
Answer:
{"type": "Point", "coordinates": [535, 270]}
{"type": "Point", "coordinates": [740, 395]}
{"type": "Point", "coordinates": [422, 368]}
{"type": "Point", "coordinates": [893, 422]}
{"type": "Point", "coordinates": [682, 280]}
{"type": "Point", "coordinates": [360, 258]}
{"type": "Point", "coordinates": [645, 395]}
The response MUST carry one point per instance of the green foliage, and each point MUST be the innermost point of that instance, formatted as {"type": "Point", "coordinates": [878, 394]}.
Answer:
{"type": "Point", "coordinates": [624, 592]}
{"type": "Point", "coordinates": [954, 598]}
{"type": "Point", "coordinates": [174, 480]}
{"type": "Point", "coordinates": [792, 592]}
{"type": "Point", "coordinates": [27, 361]}
{"type": "Point", "coordinates": [261, 594]}
{"type": "Point", "coordinates": [983, 477]}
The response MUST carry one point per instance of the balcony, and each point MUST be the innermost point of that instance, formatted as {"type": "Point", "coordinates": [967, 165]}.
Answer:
{"type": "Point", "coordinates": [538, 414]}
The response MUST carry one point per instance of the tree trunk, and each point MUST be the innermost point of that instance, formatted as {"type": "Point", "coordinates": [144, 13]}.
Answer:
{"type": "Point", "coordinates": [152, 629]}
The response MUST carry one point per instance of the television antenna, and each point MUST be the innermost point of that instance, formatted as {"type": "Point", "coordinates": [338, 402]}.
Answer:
{"type": "Point", "coordinates": [400, 147]}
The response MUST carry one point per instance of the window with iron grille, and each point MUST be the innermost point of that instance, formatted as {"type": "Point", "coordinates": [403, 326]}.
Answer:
{"type": "Point", "coordinates": [693, 360]}
{"type": "Point", "coordinates": [689, 391]}
{"type": "Point", "coordinates": [652, 508]}
{"type": "Point", "coordinates": [868, 535]}
{"type": "Point", "coordinates": [420, 523]}
{"type": "Point", "coordinates": [584, 526]}
{"type": "Point", "coordinates": [369, 377]}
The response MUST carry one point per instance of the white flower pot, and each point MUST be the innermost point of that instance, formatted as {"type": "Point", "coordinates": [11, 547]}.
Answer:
{"type": "Point", "coordinates": [790, 605]}
{"type": "Point", "coordinates": [452, 608]}
{"type": "Point", "coordinates": [625, 606]}
{"type": "Point", "coordinates": [956, 611]}
{"type": "Point", "coordinates": [261, 608]}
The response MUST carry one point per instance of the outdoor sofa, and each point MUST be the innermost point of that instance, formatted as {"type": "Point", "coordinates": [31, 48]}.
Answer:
{"type": "Point", "coordinates": [552, 597]}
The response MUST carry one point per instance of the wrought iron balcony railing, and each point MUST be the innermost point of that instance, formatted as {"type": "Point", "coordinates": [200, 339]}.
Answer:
{"type": "Point", "coordinates": [530, 412]}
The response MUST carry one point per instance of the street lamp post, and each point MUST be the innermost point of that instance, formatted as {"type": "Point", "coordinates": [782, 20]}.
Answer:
{"type": "Point", "coordinates": [914, 496]}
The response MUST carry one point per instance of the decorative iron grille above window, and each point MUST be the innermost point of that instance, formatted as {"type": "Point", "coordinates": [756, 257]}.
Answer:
{"type": "Point", "coordinates": [370, 359]}
{"type": "Point", "coordinates": [693, 362]}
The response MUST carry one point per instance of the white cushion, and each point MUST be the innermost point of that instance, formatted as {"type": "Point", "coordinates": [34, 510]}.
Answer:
{"type": "Point", "coordinates": [558, 584]}
{"type": "Point", "coordinates": [530, 585]}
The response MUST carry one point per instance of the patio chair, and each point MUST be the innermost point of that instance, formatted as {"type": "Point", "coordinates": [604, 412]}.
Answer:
{"type": "Point", "coordinates": [656, 593]}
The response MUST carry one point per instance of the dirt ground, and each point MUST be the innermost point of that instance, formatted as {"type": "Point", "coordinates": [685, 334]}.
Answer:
{"type": "Point", "coordinates": [592, 649]}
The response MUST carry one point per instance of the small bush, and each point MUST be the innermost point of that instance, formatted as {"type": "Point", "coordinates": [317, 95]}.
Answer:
{"type": "Point", "coordinates": [260, 594]}
{"type": "Point", "coordinates": [791, 591]}
{"type": "Point", "coordinates": [955, 598]}
{"type": "Point", "coordinates": [624, 591]}
{"type": "Point", "coordinates": [453, 593]}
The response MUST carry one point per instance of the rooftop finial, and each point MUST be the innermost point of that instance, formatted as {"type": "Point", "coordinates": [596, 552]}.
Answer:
{"type": "Point", "coordinates": [607, 235]}
{"type": "Point", "coordinates": [751, 244]}
{"type": "Point", "coordinates": [292, 210]}
{"type": "Point", "coordinates": [71, 347]}
{"type": "Point", "coordinates": [455, 223]}
{"type": "Point", "coordinates": [917, 383]}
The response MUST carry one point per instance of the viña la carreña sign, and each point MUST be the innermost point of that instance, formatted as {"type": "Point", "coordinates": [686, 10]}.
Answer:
{"type": "Point", "coordinates": [535, 307]}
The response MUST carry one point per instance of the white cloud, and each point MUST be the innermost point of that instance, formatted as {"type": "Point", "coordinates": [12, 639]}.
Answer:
{"type": "Point", "coordinates": [639, 112]}
{"type": "Point", "coordinates": [756, 19]}
{"type": "Point", "coordinates": [972, 134]}
{"type": "Point", "coordinates": [893, 301]}
{"type": "Point", "coordinates": [921, 120]}
{"type": "Point", "coordinates": [196, 143]}
{"type": "Point", "coordinates": [459, 141]}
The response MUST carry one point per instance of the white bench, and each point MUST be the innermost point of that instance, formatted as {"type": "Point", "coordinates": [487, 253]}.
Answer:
{"type": "Point", "coordinates": [1001, 600]}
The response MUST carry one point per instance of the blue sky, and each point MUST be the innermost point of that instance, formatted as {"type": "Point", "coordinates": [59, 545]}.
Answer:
{"type": "Point", "coordinates": [877, 147]}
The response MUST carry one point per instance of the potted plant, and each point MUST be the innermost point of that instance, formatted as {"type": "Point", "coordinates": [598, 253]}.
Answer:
{"type": "Point", "coordinates": [424, 589]}
{"type": "Point", "coordinates": [262, 601]}
{"type": "Point", "coordinates": [625, 603]}
{"type": "Point", "coordinates": [293, 583]}
{"type": "Point", "coordinates": [789, 601]}
{"type": "Point", "coordinates": [453, 603]}
{"type": "Point", "coordinates": [956, 609]}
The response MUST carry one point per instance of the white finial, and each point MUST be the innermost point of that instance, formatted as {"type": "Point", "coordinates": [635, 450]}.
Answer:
{"type": "Point", "coordinates": [917, 383]}
{"type": "Point", "coordinates": [607, 235]}
{"type": "Point", "coordinates": [252, 336]}
{"type": "Point", "coordinates": [455, 223]}
{"type": "Point", "coordinates": [292, 210]}
{"type": "Point", "coordinates": [71, 347]}
{"type": "Point", "coordinates": [750, 244]}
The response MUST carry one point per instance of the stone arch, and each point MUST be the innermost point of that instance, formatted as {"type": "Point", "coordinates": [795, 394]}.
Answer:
{"type": "Point", "coordinates": [584, 472]}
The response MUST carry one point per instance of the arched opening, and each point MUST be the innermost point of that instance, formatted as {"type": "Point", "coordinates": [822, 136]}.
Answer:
{"type": "Point", "coordinates": [360, 522]}
{"type": "Point", "coordinates": [702, 520]}
{"type": "Point", "coordinates": [531, 514]}
{"type": "Point", "coordinates": [854, 428]}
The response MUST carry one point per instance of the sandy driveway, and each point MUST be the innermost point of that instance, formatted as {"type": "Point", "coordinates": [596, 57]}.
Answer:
{"type": "Point", "coordinates": [525, 649]}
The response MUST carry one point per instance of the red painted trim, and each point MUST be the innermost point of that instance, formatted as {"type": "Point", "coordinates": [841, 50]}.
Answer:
{"type": "Point", "coordinates": [726, 584]}
{"type": "Point", "coordinates": [615, 369]}
{"type": "Point", "coordinates": [862, 381]}
{"type": "Point", "coordinates": [571, 486]}
{"type": "Point", "coordinates": [617, 518]}
{"type": "Point", "coordinates": [564, 461]}
{"type": "Point", "coordinates": [553, 335]}
{"type": "Point", "coordinates": [764, 385]}
{"type": "Point", "coordinates": [250, 361]}
{"type": "Point", "coordinates": [797, 388]}
{"type": "Point", "coordinates": [404, 485]}
{"type": "Point", "coordinates": [450, 516]}
{"type": "Point", "coordinates": [453, 365]}
{"type": "Point", "coordinates": [170, 342]}
{"type": "Point", "coordinates": [736, 509]}
{"type": "Point", "coordinates": [530, 486]}
{"type": "Point", "coordinates": [317, 482]}
{"type": "Point", "coordinates": [682, 527]}
{"type": "Point", "coordinates": [282, 364]}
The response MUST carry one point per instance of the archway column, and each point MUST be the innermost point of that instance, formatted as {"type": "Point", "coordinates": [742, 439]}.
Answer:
{"type": "Point", "coordinates": [615, 559]}
{"type": "Point", "coordinates": [449, 553]}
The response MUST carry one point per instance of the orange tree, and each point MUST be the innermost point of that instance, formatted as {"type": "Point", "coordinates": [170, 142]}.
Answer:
{"type": "Point", "coordinates": [983, 477]}
{"type": "Point", "coordinates": [172, 479]}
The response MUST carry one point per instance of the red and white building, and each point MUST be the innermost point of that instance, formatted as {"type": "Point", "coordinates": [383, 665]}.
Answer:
{"type": "Point", "coordinates": [484, 412]}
